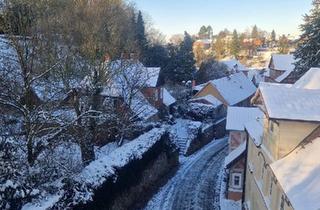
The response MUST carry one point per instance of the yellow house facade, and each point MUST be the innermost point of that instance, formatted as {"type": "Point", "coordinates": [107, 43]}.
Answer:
{"type": "Point", "coordinates": [285, 128]}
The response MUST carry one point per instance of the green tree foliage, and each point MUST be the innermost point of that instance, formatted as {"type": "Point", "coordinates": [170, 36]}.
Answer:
{"type": "Point", "coordinates": [255, 32]}
{"type": "Point", "coordinates": [283, 45]}
{"type": "Point", "coordinates": [273, 36]}
{"type": "Point", "coordinates": [141, 38]}
{"type": "Point", "coordinates": [219, 47]}
{"type": "Point", "coordinates": [205, 32]}
{"type": "Point", "coordinates": [210, 70]}
{"type": "Point", "coordinates": [235, 44]}
{"type": "Point", "coordinates": [181, 63]}
{"type": "Point", "coordinates": [308, 49]}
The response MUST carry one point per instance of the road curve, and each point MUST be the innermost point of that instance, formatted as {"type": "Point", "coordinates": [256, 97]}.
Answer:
{"type": "Point", "coordinates": [195, 184]}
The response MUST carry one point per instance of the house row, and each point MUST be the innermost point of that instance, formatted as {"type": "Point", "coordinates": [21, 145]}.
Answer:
{"type": "Point", "coordinates": [273, 160]}
{"type": "Point", "coordinates": [138, 87]}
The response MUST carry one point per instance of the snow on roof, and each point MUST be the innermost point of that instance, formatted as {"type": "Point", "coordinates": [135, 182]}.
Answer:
{"type": "Point", "coordinates": [299, 175]}
{"type": "Point", "coordinates": [238, 116]}
{"type": "Point", "coordinates": [235, 154]}
{"type": "Point", "coordinates": [141, 107]}
{"type": "Point", "coordinates": [153, 73]}
{"type": "Point", "coordinates": [134, 70]}
{"type": "Point", "coordinates": [310, 80]}
{"type": "Point", "coordinates": [283, 102]}
{"type": "Point", "coordinates": [199, 87]}
{"type": "Point", "coordinates": [209, 98]}
{"type": "Point", "coordinates": [99, 170]}
{"type": "Point", "coordinates": [168, 99]}
{"type": "Point", "coordinates": [283, 62]}
{"type": "Point", "coordinates": [234, 64]}
{"type": "Point", "coordinates": [283, 76]}
{"type": "Point", "coordinates": [255, 130]}
{"type": "Point", "coordinates": [235, 88]}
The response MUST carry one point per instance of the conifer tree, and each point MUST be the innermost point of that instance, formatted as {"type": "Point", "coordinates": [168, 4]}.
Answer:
{"type": "Point", "coordinates": [185, 60]}
{"type": "Point", "coordinates": [273, 36]}
{"type": "Point", "coordinates": [141, 39]}
{"type": "Point", "coordinates": [308, 49]}
{"type": "Point", "coordinates": [235, 44]}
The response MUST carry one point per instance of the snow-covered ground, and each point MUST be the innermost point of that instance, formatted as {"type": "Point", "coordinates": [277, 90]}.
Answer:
{"type": "Point", "coordinates": [195, 185]}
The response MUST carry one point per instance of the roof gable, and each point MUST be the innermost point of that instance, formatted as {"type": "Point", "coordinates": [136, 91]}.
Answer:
{"type": "Point", "coordinates": [283, 62]}
{"type": "Point", "coordinates": [310, 80]}
{"type": "Point", "coordinates": [281, 101]}
{"type": "Point", "coordinates": [234, 88]}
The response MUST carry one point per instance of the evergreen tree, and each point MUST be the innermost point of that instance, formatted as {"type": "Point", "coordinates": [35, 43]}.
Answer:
{"type": "Point", "coordinates": [255, 32]}
{"type": "Point", "coordinates": [185, 60]}
{"type": "Point", "coordinates": [235, 44]}
{"type": "Point", "coordinates": [273, 36]}
{"type": "Point", "coordinates": [308, 49]}
{"type": "Point", "coordinates": [210, 32]}
{"type": "Point", "coordinates": [203, 32]}
{"type": "Point", "coordinates": [141, 39]}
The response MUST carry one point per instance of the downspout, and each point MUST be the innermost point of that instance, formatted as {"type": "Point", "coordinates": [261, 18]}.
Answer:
{"type": "Point", "coordinates": [245, 170]}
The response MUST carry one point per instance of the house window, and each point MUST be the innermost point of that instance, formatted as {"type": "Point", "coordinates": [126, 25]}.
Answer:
{"type": "Point", "coordinates": [236, 180]}
{"type": "Point", "coordinates": [282, 203]}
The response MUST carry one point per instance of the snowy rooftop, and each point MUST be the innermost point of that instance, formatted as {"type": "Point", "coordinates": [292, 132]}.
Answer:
{"type": "Point", "coordinates": [141, 107]}
{"type": "Point", "coordinates": [168, 99]}
{"type": "Point", "coordinates": [284, 102]}
{"type": "Point", "coordinates": [153, 73]}
{"type": "Point", "coordinates": [234, 64]}
{"type": "Point", "coordinates": [210, 99]}
{"type": "Point", "coordinates": [235, 154]}
{"type": "Point", "coordinates": [310, 80]}
{"type": "Point", "coordinates": [283, 62]}
{"type": "Point", "coordinates": [235, 88]}
{"type": "Point", "coordinates": [255, 130]}
{"type": "Point", "coordinates": [199, 87]}
{"type": "Point", "coordinates": [299, 175]}
{"type": "Point", "coordinates": [238, 116]}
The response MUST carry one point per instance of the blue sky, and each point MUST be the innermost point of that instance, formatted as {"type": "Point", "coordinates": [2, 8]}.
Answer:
{"type": "Point", "coordinates": [176, 16]}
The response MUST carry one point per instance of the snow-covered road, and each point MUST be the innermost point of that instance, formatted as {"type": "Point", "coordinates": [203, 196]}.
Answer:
{"type": "Point", "coordinates": [195, 184]}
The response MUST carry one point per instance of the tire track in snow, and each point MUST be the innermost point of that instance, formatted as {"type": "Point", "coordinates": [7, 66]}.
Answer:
{"type": "Point", "coordinates": [193, 186]}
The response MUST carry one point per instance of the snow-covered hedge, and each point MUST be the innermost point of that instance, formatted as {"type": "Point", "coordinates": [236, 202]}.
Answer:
{"type": "Point", "coordinates": [81, 188]}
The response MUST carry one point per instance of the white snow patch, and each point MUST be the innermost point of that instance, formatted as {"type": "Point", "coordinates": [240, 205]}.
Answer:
{"type": "Point", "coordinates": [99, 170]}
{"type": "Point", "coordinates": [255, 130]}
{"type": "Point", "coordinates": [299, 175]}
{"type": "Point", "coordinates": [283, 102]}
{"type": "Point", "coordinates": [208, 98]}
{"type": "Point", "coordinates": [235, 154]}
{"type": "Point", "coordinates": [238, 116]}
{"type": "Point", "coordinates": [183, 132]}
{"type": "Point", "coordinates": [310, 80]}
{"type": "Point", "coordinates": [45, 203]}
{"type": "Point", "coordinates": [168, 99]}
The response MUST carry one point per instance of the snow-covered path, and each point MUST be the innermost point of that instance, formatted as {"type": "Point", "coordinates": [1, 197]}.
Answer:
{"type": "Point", "coordinates": [195, 184]}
